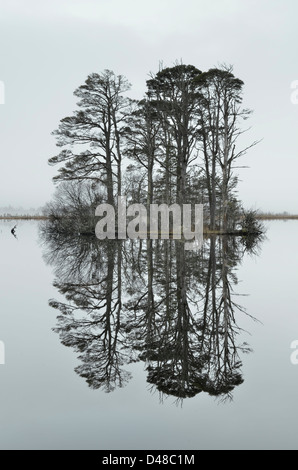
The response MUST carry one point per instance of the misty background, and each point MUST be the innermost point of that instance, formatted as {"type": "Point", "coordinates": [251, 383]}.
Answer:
{"type": "Point", "coordinates": [49, 48]}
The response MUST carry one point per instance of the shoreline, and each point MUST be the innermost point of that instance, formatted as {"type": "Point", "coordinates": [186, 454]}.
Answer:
{"type": "Point", "coordinates": [276, 217]}
{"type": "Point", "coordinates": [259, 217]}
{"type": "Point", "coordinates": [23, 217]}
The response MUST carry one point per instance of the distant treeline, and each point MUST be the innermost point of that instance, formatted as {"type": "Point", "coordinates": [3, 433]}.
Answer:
{"type": "Point", "coordinates": [277, 216]}
{"type": "Point", "coordinates": [22, 217]}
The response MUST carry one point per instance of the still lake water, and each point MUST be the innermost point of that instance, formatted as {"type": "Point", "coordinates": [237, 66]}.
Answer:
{"type": "Point", "coordinates": [45, 400]}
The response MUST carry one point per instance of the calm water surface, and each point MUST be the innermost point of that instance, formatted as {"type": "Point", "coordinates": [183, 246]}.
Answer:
{"type": "Point", "coordinates": [177, 378]}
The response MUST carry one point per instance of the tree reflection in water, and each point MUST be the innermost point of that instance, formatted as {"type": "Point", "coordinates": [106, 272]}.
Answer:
{"type": "Point", "coordinates": [151, 301]}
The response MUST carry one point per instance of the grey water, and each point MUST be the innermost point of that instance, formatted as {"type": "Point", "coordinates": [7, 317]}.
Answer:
{"type": "Point", "coordinates": [146, 347]}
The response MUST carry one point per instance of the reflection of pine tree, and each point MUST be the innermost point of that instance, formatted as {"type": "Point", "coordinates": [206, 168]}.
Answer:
{"type": "Point", "coordinates": [192, 347]}
{"type": "Point", "coordinates": [155, 302]}
{"type": "Point", "coordinates": [90, 321]}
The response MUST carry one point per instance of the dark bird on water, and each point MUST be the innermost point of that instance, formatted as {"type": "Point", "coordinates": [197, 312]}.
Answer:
{"type": "Point", "coordinates": [13, 231]}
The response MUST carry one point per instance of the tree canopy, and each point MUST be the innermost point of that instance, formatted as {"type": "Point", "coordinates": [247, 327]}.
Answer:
{"type": "Point", "coordinates": [179, 143]}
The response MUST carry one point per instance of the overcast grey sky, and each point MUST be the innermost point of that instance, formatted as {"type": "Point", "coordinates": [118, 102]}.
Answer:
{"type": "Point", "coordinates": [48, 47]}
